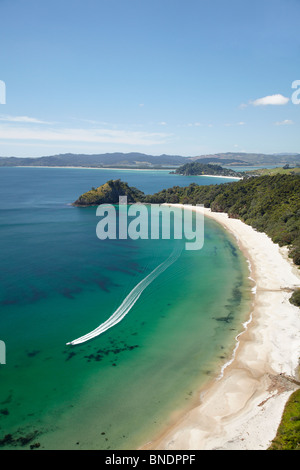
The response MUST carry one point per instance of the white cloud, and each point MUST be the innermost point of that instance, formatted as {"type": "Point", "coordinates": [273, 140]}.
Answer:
{"type": "Point", "coordinates": [286, 122]}
{"type": "Point", "coordinates": [228, 124]}
{"type": "Point", "coordinates": [91, 121]}
{"type": "Point", "coordinates": [82, 135]}
{"type": "Point", "coordinates": [274, 100]}
{"type": "Point", "coordinates": [191, 124]}
{"type": "Point", "coordinates": [23, 119]}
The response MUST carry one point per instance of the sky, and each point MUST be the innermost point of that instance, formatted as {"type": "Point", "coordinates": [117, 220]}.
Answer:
{"type": "Point", "coordinates": [180, 77]}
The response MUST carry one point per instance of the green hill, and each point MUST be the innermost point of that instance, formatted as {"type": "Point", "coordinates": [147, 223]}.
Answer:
{"type": "Point", "coordinates": [209, 169]}
{"type": "Point", "coordinates": [109, 193]}
{"type": "Point", "coordinates": [286, 170]}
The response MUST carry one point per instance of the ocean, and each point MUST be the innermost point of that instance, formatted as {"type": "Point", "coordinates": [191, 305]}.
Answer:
{"type": "Point", "coordinates": [58, 282]}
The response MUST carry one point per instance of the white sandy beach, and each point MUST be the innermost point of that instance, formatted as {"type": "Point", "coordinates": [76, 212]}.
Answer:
{"type": "Point", "coordinates": [243, 408]}
{"type": "Point", "coordinates": [219, 176]}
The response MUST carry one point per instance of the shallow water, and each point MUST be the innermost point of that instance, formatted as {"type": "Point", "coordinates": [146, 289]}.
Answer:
{"type": "Point", "coordinates": [58, 281]}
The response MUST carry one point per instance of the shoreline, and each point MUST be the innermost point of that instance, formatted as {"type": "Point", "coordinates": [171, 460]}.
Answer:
{"type": "Point", "coordinates": [88, 168]}
{"type": "Point", "coordinates": [214, 176]}
{"type": "Point", "coordinates": [242, 408]}
{"type": "Point", "coordinates": [120, 169]}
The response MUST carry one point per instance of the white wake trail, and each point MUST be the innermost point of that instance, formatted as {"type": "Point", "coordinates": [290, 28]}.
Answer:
{"type": "Point", "coordinates": [129, 301]}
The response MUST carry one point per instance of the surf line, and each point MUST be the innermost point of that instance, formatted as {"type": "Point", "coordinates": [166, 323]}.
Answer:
{"type": "Point", "coordinates": [129, 301]}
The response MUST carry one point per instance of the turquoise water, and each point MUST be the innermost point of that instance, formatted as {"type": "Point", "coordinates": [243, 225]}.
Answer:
{"type": "Point", "coordinates": [58, 281]}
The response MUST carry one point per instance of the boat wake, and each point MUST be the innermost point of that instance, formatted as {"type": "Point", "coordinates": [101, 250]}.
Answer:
{"type": "Point", "coordinates": [129, 301]}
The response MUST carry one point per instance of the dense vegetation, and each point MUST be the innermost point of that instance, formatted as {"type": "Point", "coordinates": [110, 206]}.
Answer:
{"type": "Point", "coordinates": [270, 204]}
{"type": "Point", "coordinates": [295, 298]}
{"type": "Point", "coordinates": [288, 433]}
{"type": "Point", "coordinates": [109, 193]}
{"type": "Point", "coordinates": [197, 168]}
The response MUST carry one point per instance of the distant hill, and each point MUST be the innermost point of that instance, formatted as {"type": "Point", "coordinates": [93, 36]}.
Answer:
{"type": "Point", "coordinates": [225, 161]}
{"type": "Point", "coordinates": [141, 160]}
{"type": "Point", "coordinates": [97, 161]}
{"type": "Point", "coordinates": [253, 158]}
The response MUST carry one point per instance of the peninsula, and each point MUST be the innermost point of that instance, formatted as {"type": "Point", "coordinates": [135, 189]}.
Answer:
{"type": "Point", "coordinates": [109, 193]}
{"type": "Point", "coordinates": [206, 169]}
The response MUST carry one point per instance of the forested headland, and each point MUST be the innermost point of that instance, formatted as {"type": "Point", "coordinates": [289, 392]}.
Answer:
{"type": "Point", "coordinates": [270, 204]}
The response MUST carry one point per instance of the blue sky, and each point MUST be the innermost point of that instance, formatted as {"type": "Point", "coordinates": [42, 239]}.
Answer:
{"type": "Point", "coordinates": [184, 77]}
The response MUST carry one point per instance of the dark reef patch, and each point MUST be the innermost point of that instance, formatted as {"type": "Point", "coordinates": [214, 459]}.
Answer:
{"type": "Point", "coordinates": [19, 439]}
{"type": "Point", "coordinates": [101, 353]}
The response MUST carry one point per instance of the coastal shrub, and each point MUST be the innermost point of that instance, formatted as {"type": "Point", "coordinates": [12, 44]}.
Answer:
{"type": "Point", "coordinates": [295, 252]}
{"type": "Point", "coordinates": [288, 433]}
{"type": "Point", "coordinates": [295, 298]}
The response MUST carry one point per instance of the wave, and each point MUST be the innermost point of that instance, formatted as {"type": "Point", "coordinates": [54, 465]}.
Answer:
{"type": "Point", "coordinates": [129, 301]}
